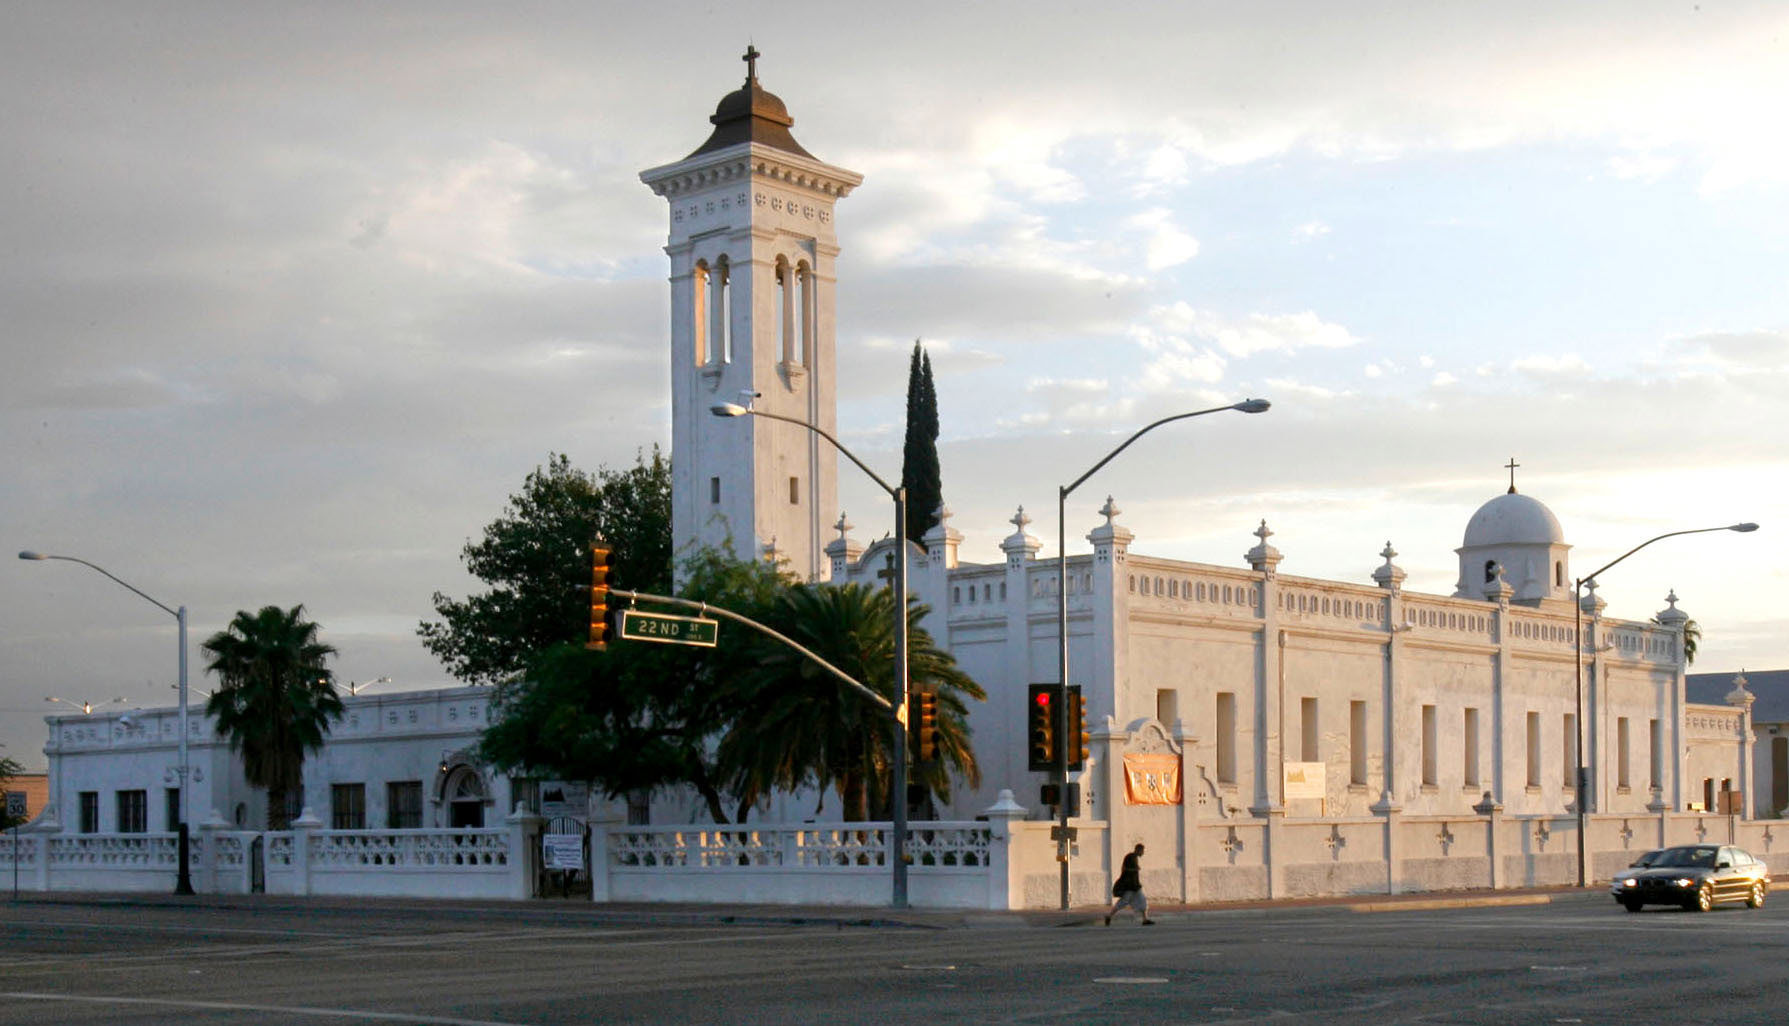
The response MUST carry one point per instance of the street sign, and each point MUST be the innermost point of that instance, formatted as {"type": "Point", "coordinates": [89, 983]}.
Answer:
{"type": "Point", "coordinates": [15, 805]}
{"type": "Point", "coordinates": [676, 630]}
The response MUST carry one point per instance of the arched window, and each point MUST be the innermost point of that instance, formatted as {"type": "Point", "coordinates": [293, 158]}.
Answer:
{"type": "Point", "coordinates": [699, 284]}
{"type": "Point", "coordinates": [804, 323]}
{"type": "Point", "coordinates": [1559, 574]}
{"type": "Point", "coordinates": [721, 334]}
{"type": "Point", "coordinates": [1490, 570]}
{"type": "Point", "coordinates": [785, 309]}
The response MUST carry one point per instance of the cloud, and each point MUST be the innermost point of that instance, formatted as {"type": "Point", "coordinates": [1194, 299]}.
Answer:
{"type": "Point", "coordinates": [1746, 350]}
{"type": "Point", "coordinates": [1310, 231]}
{"type": "Point", "coordinates": [1565, 365]}
{"type": "Point", "coordinates": [1255, 333]}
{"type": "Point", "coordinates": [1165, 244]}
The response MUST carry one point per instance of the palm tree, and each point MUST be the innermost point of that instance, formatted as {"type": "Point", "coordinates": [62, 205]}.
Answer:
{"type": "Point", "coordinates": [275, 699]}
{"type": "Point", "coordinates": [801, 727]}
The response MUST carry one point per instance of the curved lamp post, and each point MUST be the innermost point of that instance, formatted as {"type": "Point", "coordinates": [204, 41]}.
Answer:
{"type": "Point", "coordinates": [183, 882]}
{"type": "Point", "coordinates": [1059, 773]}
{"type": "Point", "coordinates": [1582, 781]}
{"type": "Point", "coordinates": [899, 494]}
{"type": "Point", "coordinates": [355, 689]}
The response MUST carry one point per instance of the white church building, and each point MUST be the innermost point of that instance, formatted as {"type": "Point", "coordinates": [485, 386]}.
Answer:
{"type": "Point", "coordinates": [1266, 735]}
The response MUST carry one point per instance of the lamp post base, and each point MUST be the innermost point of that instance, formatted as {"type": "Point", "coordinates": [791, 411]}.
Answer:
{"type": "Point", "coordinates": [183, 883]}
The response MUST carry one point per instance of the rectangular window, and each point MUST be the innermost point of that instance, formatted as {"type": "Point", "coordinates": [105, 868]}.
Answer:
{"type": "Point", "coordinates": [714, 489]}
{"type": "Point", "coordinates": [171, 810]}
{"type": "Point", "coordinates": [1568, 749]}
{"type": "Point", "coordinates": [1226, 731]}
{"type": "Point", "coordinates": [1622, 743]}
{"type": "Point", "coordinates": [1308, 750]}
{"type": "Point", "coordinates": [1534, 749]}
{"type": "Point", "coordinates": [1656, 756]}
{"type": "Point", "coordinates": [1167, 706]}
{"type": "Point", "coordinates": [89, 812]}
{"type": "Point", "coordinates": [1470, 748]}
{"type": "Point", "coordinates": [133, 812]}
{"type": "Point", "coordinates": [795, 491]}
{"type": "Point", "coordinates": [1357, 743]}
{"type": "Point", "coordinates": [403, 805]}
{"type": "Point", "coordinates": [1429, 746]}
{"type": "Point", "coordinates": [347, 806]}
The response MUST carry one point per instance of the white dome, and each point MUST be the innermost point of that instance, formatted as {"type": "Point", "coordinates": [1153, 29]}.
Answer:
{"type": "Point", "coordinates": [1513, 519]}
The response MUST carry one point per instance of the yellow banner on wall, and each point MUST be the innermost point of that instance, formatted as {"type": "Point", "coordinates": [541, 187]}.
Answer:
{"type": "Point", "coordinates": [1151, 778]}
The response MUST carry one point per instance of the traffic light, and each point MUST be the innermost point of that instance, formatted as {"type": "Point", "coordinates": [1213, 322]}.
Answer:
{"type": "Point", "coordinates": [924, 722]}
{"type": "Point", "coordinates": [1079, 740]}
{"type": "Point", "coordinates": [1040, 726]}
{"type": "Point", "coordinates": [602, 563]}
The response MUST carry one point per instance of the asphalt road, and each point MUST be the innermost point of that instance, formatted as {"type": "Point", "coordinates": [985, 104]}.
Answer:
{"type": "Point", "coordinates": [1579, 959]}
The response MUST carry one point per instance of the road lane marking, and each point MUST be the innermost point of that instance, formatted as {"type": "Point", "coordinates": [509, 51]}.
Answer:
{"type": "Point", "coordinates": [1130, 979]}
{"type": "Point", "coordinates": [232, 1006]}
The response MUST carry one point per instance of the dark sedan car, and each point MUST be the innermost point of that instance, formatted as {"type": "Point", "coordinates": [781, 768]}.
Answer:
{"type": "Point", "coordinates": [1696, 876]}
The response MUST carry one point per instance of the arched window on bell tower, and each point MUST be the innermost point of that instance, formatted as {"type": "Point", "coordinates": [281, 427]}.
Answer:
{"type": "Point", "coordinates": [699, 318]}
{"type": "Point", "coordinates": [785, 310]}
{"type": "Point", "coordinates": [804, 324]}
{"type": "Point", "coordinates": [720, 331]}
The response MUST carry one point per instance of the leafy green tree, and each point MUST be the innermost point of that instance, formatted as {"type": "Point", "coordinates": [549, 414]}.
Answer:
{"type": "Point", "coordinates": [9, 768]}
{"type": "Point", "coordinates": [536, 558]}
{"type": "Point", "coordinates": [800, 727]}
{"type": "Point", "coordinates": [275, 698]}
{"type": "Point", "coordinates": [920, 473]}
{"type": "Point", "coordinates": [638, 716]}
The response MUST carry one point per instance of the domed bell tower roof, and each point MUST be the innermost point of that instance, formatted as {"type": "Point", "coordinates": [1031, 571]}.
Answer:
{"type": "Point", "coordinates": [751, 114]}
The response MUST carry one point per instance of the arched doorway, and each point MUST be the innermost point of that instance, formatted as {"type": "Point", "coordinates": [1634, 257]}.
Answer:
{"type": "Point", "coordinates": [464, 793]}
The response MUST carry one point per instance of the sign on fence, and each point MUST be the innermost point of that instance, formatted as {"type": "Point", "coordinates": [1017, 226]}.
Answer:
{"type": "Point", "coordinates": [562, 851]}
{"type": "Point", "coordinates": [15, 805]}
{"type": "Point", "coordinates": [677, 630]}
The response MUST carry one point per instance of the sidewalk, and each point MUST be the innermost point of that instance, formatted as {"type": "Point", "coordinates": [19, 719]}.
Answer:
{"type": "Point", "coordinates": [570, 911]}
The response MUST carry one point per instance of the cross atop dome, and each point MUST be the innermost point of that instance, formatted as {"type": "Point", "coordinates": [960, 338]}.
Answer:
{"type": "Point", "coordinates": [751, 63]}
{"type": "Point", "coordinates": [1511, 466]}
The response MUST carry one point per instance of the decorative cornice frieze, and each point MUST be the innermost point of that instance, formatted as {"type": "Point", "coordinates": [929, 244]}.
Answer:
{"type": "Point", "coordinates": [750, 160]}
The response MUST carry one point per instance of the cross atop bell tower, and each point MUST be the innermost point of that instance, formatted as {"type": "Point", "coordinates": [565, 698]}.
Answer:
{"type": "Point", "coordinates": [752, 248]}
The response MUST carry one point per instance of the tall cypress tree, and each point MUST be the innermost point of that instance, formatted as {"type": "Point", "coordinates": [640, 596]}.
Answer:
{"type": "Point", "coordinates": [919, 462]}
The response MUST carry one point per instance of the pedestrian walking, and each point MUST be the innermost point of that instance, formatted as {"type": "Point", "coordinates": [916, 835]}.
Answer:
{"type": "Point", "coordinates": [1128, 888]}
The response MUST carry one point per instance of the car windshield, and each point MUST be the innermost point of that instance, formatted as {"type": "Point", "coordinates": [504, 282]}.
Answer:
{"type": "Point", "coordinates": [1648, 859]}
{"type": "Point", "coordinates": [1689, 857]}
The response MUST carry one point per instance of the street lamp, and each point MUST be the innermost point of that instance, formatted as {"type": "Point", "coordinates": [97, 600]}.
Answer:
{"type": "Point", "coordinates": [354, 689]}
{"type": "Point", "coordinates": [85, 706]}
{"type": "Point", "coordinates": [899, 495]}
{"type": "Point", "coordinates": [1582, 781]}
{"type": "Point", "coordinates": [183, 882]}
{"type": "Point", "coordinates": [1059, 773]}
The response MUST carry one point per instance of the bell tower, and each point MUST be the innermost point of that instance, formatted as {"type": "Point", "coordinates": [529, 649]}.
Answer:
{"type": "Point", "coordinates": [752, 249]}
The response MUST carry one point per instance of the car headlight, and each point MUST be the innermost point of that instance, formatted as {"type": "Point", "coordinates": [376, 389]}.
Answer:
{"type": "Point", "coordinates": [1684, 881]}
{"type": "Point", "coordinates": [1629, 882]}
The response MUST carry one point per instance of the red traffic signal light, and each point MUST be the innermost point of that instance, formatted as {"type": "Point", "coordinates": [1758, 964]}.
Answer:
{"type": "Point", "coordinates": [602, 564]}
{"type": "Point", "coordinates": [1040, 727]}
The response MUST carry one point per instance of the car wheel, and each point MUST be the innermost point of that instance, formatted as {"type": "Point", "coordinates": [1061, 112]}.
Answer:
{"type": "Point", "coordinates": [1755, 899]}
{"type": "Point", "coordinates": [1631, 905]}
{"type": "Point", "coordinates": [1704, 898]}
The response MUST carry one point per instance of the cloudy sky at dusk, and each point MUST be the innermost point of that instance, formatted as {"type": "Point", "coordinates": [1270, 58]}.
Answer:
{"type": "Point", "coordinates": [295, 295]}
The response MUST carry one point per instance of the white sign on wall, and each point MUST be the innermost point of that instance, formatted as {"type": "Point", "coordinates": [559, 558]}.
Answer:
{"type": "Point", "coordinates": [1305, 780]}
{"type": "Point", "coordinates": [560, 798]}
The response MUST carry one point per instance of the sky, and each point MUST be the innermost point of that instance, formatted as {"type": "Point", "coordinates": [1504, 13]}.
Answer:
{"type": "Point", "coordinates": [292, 297]}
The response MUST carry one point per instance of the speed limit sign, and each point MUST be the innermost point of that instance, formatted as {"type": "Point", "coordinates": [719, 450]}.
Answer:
{"type": "Point", "coordinates": [15, 805]}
